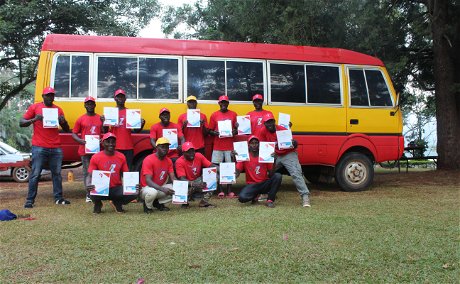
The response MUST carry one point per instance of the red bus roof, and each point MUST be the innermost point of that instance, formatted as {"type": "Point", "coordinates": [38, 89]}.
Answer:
{"type": "Point", "coordinates": [136, 45]}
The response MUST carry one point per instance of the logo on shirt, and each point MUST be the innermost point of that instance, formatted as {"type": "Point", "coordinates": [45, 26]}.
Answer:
{"type": "Point", "coordinates": [259, 121]}
{"type": "Point", "coordinates": [93, 129]}
{"type": "Point", "coordinates": [112, 168]}
{"type": "Point", "coordinates": [257, 170]}
{"type": "Point", "coordinates": [121, 120]}
{"type": "Point", "coordinates": [194, 171]}
{"type": "Point", "coordinates": [162, 175]}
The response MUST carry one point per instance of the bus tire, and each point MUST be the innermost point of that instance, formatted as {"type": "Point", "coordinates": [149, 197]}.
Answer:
{"type": "Point", "coordinates": [354, 172]}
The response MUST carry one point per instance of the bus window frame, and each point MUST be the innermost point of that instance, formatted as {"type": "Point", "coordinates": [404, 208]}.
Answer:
{"type": "Point", "coordinates": [363, 68]}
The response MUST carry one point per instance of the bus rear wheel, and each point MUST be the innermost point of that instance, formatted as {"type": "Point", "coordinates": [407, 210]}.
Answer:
{"type": "Point", "coordinates": [354, 172]}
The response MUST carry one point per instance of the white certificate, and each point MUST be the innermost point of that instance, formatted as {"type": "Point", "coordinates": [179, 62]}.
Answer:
{"type": "Point", "coordinates": [101, 180]}
{"type": "Point", "coordinates": [171, 135]}
{"type": "Point", "coordinates": [244, 124]}
{"type": "Point", "coordinates": [266, 150]}
{"type": "Point", "coordinates": [284, 119]}
{"type": "Point", "coordinates": [210, 178]}
{"type": "Point", "coordinates": [225, 128]}
{"type": "Point", "coordinates": [133, 118]}
{"type": "Point", "coordinates": [241, 148]}
{"type": "Point", "coordinates": [227, 173]}
{"type": "Point", "coordinates": [284, 138]}
{"type": "Point", "coordinates": [193, 118]}
{"type": "Point", "coordinates": [180, 188]}
{"type": "Point", "coordinates": [50, 117]}
{"type": "Point", "coordinates": [110, 116]}
{"type": "Point", "coordinates": [130, 180]}
{"type": "Point", "coordinates": [92, 144]}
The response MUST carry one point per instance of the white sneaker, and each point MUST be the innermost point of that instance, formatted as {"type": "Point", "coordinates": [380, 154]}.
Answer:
{"type": "Point", "coordinates": [263, 197]}
{"type": "Point", "coordinates": [306, 200]}
{"type": "Point", "coordinates": [88, 200]}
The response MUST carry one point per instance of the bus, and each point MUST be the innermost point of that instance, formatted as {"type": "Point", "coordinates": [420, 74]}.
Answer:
{"type": "Point", "coordinates": [343, 106]}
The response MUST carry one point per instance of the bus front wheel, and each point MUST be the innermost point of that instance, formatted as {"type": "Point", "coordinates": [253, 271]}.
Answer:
{"type": "Point", "coordinates": [354, 172]}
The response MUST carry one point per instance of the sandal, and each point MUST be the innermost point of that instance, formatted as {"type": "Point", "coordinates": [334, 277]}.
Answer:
{"type": "Point", "coordinates": [221, 195]}
{"type": "Point", "coordinates": [232, 195]}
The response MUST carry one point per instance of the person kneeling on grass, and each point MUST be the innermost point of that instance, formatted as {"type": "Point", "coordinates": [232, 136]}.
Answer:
{"type": "Point", "coordinates": [114, 162]}
{"type": "Point", "coordinates": [260, 177]}
{"type": "Point", "coordinates": [189, 168]}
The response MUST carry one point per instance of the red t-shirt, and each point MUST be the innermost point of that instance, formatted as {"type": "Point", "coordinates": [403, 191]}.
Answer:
{"type": "Point", "coordinates": [255, 172]}
{"type": "Point", "coordinates": [43, 137]}
{"type": "Point", "coordinates": [156, 131]}
{"type": "Point", "coordinates": [226, 143]}
{"type": "Point", "coordinates": [158, 169]}
{"type": "Point", "coordinates": [191, 169]}
{"type": "Point", "coordinates": [256, 120]}
{"type": "Point", "coordinates": [115, 164]}
{"type": "Point", "coordinates": [124, 141]}
{"type": "Point", "coordinates": [193, 134]}
{"type": "Point", "coordinates": [87, 125]}
{"type": "Point", "coordinates": [266, 136]}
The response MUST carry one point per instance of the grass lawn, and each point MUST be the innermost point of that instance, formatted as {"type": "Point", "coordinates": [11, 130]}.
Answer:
{"type": "Point", "coordinates": [405, 229]}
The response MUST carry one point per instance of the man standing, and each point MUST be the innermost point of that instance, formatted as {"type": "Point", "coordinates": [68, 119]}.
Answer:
{"type": "Point", "coordinates": [223, 145]}
{"type": "Point", "coordinates": [87, 124]}
{"type": "Point", "coordinates": [195, 135]}
{"type": "Point", "coordinates": [45, 147]}
{"type": "Point", "coordinates": [261, 178]}
{"type": "Point", "coordinates": [156, 131]}
{"type": "Point", "coordinates": [189, 167]}
{"type": "Point", "coordinates": [114, 162]}
{"type": "Point", "coordinates": [125, 142]}
{"type": "Point", "coordinates": [285, 157]}
{"type": "Point", "coordinates": [257, 114]}
{"type": "Point", "coordinates": [156, 169]}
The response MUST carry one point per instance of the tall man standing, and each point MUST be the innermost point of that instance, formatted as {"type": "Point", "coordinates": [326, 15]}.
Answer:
{"type": "Point", "coordinates": [195, 135]}
{"type": "Point", "coordinates": [45, 147]}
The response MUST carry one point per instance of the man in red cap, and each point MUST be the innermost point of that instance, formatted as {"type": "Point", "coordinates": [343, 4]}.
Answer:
{"type": "Point", "coordinates": [88, 124]}
{"type": "Point", "coordinates": [285, 157]}
{"type": "Point", "coordinates": [156, 131]}
{"type": "Point", "coordinates": [257, 114]}
{"type": "Point", "coordinates": [114, 162]}
{"type": "Point", "coordinates": [125, 142]}
{"type": "Point", "coordinates": [45, 146]}
{"type": "Point", "coordinates": [189, 167]}
{"type": "Point", "coordinates": [261, 178]}
{"type": "Point", "coordinates": [223, 146]}
{"type": "Point", "coordinates": [195, 135]}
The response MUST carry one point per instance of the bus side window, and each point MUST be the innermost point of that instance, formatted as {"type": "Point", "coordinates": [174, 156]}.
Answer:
{"type": "Point", "coordinates": [323, 84]}
{"type": "Point", "coordinates": [244, 80]}
{"type": "Point", "coordinates": [205, 79]}
{"type": "Point", "coordinates": [287, 83]}
{"type": "Point", "coordinates": [71, 76]}
{"type": "Point", "coordinates": [158, 78]}
{"type": "Point", "coordinates": [378, 90]}
{"type": "Point", "coordinates": [114, 73]}
{"type": "Point", "coordinates": [358, 89]}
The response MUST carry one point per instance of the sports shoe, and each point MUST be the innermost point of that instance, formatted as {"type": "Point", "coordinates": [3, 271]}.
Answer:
{"type": "Point", "coordinates": [146, 209]}
{"type": "Point", "coordinates": [62, 201]}
{"type": "Point", "coordinates": [185, 206]}
{"type": "Point", "coordinates": [118, 208]}
{"type": "Point", "coordinates": [270, 204]}
{"type": "Point", "coordinates": [306, 200]}
{"type": "Point", "coordinates": [263, 197]}
{"type": "Point", "coordinates": [159, 206]}
{"type": "Point", "coordinates": [28, 205]}
{"type": "Point", "coordinates": [88, 199]}
{"type": "Point", "coordinates": [97, 207]}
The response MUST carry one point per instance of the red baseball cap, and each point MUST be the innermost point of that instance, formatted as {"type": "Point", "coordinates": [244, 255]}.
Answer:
{"type": "Point", "coordinates": [119, 91]}
{"type": "Point", "coordinates": [108, 135]}
{"type": "Point", "coordinates": [223, 98]}
{"type": "Point", "coordinates": [253, 137]}
{"type": "Point", "coordinates": [48, 90]}
{"type": "Point", "coordinates": [257, 97]}
{"type": "Point", "coordinates": [187, 146]}
{"type": "Point", "coordinates": [268, 116]}
{"type": "Point", "coordinates": [89, 98]}
{"type": "Point", "coordinates": [163, 110]}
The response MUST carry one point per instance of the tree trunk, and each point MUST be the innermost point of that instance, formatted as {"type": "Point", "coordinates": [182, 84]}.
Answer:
{"type": "Point", "coordinates": [447, 91]}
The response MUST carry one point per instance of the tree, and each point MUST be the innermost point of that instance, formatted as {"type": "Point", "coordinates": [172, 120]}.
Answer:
{"type": "Point", "coordinates": [24, 25]}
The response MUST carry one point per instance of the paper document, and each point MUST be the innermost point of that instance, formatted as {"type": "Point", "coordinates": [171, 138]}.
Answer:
{"type": "Point", "coordinates": [101, 180]}
{"type": "Point", "coordinates": [50, 118]}
{"type": "Point", "coordinates": [244, 124]}
{"type": "Point", "coordinates": [210, 178]}
{"type": "Point", "coordinates": [193, 118]}
{"type": "Point", "coordinates": [92, 144]}
{"type": "Point", "coordinates": [266, 150]}
{"type": "Point", "coordinates": [180, 188]}
{"type": "Point", "coordinates": [241, 148]}
{"type": "Point", "coordinates": [227, 173]}
{"type": "Point", "coordinates": [171, 135]}
{"type": "Point", "coordinates": [284, 138]}
{"type": "Point", "coordinates": [110, 116]}
{"type": "Point", "coordinates": [225, 128]}
{"type": "Point", "coordinates": [284, 119]}
{"type": "Point", "coordinates": [130, 180]}
{"type": "Point", "coordinates": [133, 118]}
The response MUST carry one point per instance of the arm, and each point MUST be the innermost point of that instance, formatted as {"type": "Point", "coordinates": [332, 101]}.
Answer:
{"type": "Point", "coordinates": [78, 139]}
{"type": "Point", "coordinates": [153, 142]}
{"type": "Point", "coordinates": [63, 123]}
{"type": "Point", "coordinates": [26, 122]}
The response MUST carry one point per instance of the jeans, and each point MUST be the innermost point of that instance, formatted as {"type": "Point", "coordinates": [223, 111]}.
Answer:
{"type": "Point", "coordinates": [116, 195]}
{"type": "Point", "coordinates": [40, 157]}
{"type": "Point", "coordinates": [85, 164]}
{"type": "Point", "coordinates": [270, 186]}
{"type": "Point", "coordinates": [291, 162]}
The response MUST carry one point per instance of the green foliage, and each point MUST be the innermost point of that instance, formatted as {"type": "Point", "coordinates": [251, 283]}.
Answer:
{"type": "Point", "coordinates": [10, 132]}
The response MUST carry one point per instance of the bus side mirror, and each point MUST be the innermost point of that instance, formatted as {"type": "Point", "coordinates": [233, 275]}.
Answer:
{"type": "Point", "coordinates": [398, 98]}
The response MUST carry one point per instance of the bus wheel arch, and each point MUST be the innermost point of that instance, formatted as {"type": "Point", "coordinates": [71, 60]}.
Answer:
{"type": "Point", "coordinates": [355, 170]}
{"type": "Point", "coordinates": [139, 159]}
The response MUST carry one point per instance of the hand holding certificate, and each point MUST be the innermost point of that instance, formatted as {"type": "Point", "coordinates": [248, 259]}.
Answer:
{"type": "Point", "coordinates": [180, 192]}
{"type": "Point", "coordinates": [266, 150]}
{"type": "Point", "coordinates": [92, 144]}
{"type": "Point", "coordinates": [227, 173]}
{"type": "Point", "coordinates": [241, 148]}
{"type": "Point", "coordinates": [101, 182]}
{"type": "Point", "coordinates": [171, 135]}
{"type": "Point", "coordinates": [284, 119]}
{"type": "Point", "coordinates": [284, 138]}
{"type": "Point", "coordinates": [50, 118]}
{"type": "Point", "coordinates": [193, 118]}
{"type": "Point", "coordinates": [130, 180]}
{"type": "Point", "coordinates": [111, 116]}
{"type": "Point", "coordinates": [225, 128]}
{"type": "Point", "coordinates": [244, 124]}
{"type": "Point", "coordinates": [133, 118]}
{"type": "Point", "coordinates": [210, 178]}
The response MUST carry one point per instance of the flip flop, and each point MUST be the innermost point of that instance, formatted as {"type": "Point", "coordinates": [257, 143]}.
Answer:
{"type": "Point", "coordinates": [221, 195]}
{"type": "Point", "coordinates": [232, 195]}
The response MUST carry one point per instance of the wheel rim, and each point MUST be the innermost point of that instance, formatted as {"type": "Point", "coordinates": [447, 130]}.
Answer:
{"type": "Point", "coordinates": [22, 174]}
{"type": "Point", "coordinates": [355, 172]}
